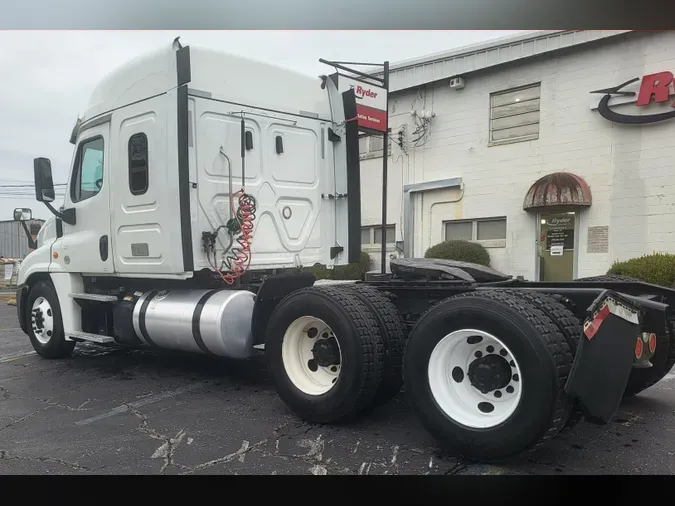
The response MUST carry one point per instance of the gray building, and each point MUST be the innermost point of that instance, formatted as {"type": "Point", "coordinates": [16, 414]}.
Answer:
{"type": "Point", "coordinates": [13, 240]}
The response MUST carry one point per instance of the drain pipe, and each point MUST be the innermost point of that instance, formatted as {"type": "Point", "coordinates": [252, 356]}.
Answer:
{"type": "Point", "coordinates": [431, 208]}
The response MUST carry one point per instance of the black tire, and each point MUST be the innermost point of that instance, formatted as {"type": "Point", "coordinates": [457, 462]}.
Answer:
{"type": "Point", "coordinates": [57, 346]}
{"type": "Point", "coordinates": [664, 356]}
{"type": "Point", "coordinates": [539, 348]}
{"type": "Point", "coordinates": [562, 317]}
{"type": "Point", "coordinates": [361, 345]}
{"type": "Point", "coordinates": [393, 331]}
{"type": "Point", "coordinates": [571, 329]}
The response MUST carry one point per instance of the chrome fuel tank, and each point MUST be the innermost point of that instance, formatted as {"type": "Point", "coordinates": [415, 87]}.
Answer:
{"type": "Point", "coordinates": [213, 322]}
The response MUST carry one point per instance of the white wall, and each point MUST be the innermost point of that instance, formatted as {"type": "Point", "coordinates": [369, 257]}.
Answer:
{"type": "Point", "coordinates": [630, 169]}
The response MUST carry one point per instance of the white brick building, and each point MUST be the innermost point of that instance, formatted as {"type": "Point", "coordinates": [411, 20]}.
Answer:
{"type": "Point", "coordinates": [526, 111]}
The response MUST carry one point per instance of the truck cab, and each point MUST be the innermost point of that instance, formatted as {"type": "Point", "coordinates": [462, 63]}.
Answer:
{"type": "Point", "coordinates": [190, 162]}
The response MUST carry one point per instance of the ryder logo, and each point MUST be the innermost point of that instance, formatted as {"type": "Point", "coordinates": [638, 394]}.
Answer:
{"type": "Point", "coordinates": [654, 88]}
{"type": "Point", "coordinates": [362, 92]}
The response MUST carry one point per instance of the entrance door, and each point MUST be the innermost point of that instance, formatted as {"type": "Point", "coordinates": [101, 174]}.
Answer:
{"type": "Point", "coordinates": [557, 242]}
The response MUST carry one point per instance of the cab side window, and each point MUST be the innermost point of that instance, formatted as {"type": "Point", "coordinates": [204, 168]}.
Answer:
{"type": "Point", "coordinates": [138, 164]}
{"type": "Point", "coordinates": [88, 175]}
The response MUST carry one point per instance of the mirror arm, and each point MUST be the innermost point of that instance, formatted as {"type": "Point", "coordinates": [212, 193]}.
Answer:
{"type": "Point", "coordinates": [68, 215]}
{"type": "Point", "coordinates": [31, 243]}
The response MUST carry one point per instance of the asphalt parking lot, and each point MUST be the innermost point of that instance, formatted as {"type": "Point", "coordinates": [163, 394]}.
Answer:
{"type": "Point", "coordinates": [112, 411]}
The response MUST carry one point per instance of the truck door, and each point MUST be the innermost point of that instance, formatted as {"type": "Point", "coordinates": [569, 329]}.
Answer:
{"type": "Point", "coordinates": [144, 202]}
{"type": "Point", "coordinates": [86, 246]}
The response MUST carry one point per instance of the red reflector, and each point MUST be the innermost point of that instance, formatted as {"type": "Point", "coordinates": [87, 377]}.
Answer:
{"type": "Point", "coordinates": [638, 348]}
{"type": "Point", "coordinates": [652, 343]}
{"type": "Point", "coordinates": [592, 327]}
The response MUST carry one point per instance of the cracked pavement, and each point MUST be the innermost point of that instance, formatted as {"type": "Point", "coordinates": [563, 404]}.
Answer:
{"type": "Point", "coordinates": [116, 411]}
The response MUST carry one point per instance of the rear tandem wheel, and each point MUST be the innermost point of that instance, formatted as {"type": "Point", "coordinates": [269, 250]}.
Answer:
{"type": "Point", "coordinates": [393, 331]}
{"type": "Point", "coordinates": [485, 372]}
{"type": "Point", "coordinates": [325, 353]}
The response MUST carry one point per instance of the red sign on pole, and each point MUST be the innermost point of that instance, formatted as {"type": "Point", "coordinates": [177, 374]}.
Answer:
{"type": "Point", "coordinates": [371, 103]}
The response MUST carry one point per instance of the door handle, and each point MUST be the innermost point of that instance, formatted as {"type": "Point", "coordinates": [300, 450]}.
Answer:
{"type": "Point", "coordinates": [103, 247]}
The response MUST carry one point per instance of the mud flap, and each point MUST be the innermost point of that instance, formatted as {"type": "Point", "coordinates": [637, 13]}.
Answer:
{"type": "Point", "coordinates": [21, 295]}
{"type": "Point", "coordinates": [604, 359]}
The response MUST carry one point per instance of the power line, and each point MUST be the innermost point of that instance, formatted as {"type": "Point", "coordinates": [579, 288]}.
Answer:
{"type": "Point", "coordinates": [3, 185]}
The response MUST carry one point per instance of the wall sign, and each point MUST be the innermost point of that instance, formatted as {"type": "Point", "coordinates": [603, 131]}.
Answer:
{"type": "Point", "coordinates": [598, 239]}
{"type": "Point", "coordinates": [371, 103]}
{"type": "Point", "coordinates": [654, 89]}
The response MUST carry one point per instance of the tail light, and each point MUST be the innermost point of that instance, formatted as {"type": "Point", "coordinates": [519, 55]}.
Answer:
{"type": "Point", "coordinates": [638, 348]}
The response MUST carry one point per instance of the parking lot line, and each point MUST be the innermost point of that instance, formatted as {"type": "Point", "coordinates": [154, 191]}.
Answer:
{"type": "Point", "coordinates": [137, 404]}
{"type": "Point", "coordinates": [16, 357]}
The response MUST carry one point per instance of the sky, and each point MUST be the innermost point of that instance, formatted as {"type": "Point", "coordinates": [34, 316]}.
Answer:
{"type": "Point", "coordinates": [49, 75]}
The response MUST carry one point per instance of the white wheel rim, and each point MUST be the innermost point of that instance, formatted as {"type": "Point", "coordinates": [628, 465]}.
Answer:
{"type": "Point", "coordinates": [42, 320]}
{"type": "Point", "coordinates": [461, 400]}
{"type": "Point", "coordinates": [296, 353]}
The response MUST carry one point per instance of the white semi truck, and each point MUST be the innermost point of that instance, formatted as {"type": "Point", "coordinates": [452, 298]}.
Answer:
{"type": "Point", "coordinates": [201, 182]}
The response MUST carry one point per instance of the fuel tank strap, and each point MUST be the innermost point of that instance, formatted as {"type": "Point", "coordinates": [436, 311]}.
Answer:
{"type": "Point", "coordinates": [196, 317]}
{"type": "Point", "coordinates": [141, 318]}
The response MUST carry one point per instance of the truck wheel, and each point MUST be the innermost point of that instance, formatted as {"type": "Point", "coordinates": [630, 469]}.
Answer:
{"type": "Point", "coordinates": [664, 356]}
{"type": "Point", "coordinates": [568, 324]}
{"type": "Point", "coordinates": [566, 321]}
{"type": "Point", "coordinates": [45, 326]}
{"type": "Point", "coordinates": [485, 372]}
{"type": "Point", "coordinates": [393, 331]}
{"type": "Point", "coordinates": [325, 353]}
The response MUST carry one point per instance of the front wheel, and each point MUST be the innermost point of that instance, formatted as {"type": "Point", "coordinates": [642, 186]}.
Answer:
{"type": "Point", "coordinates": [45, 326]}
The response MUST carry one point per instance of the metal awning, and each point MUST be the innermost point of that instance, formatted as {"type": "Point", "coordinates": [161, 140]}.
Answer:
{"type": "Point", "coordinates": [558, 191]}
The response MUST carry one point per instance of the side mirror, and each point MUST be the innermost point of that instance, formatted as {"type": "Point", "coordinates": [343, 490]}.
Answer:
{"type": "Point", "coordinates": [23, 214]}
{"type": "Point", "coordinates": [44, 185]}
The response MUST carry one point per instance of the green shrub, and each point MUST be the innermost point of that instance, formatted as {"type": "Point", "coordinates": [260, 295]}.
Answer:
{"type": "Point", "coordinates": [352, 271]}
{"type": "Point", "coordinates": [657, 268]}
{"type": "Point", "coordinates": [463, 251]}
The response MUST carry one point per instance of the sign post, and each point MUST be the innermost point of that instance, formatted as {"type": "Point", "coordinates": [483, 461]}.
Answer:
{"type": "Point", "coordinates": [372, 111]}
{"type": "Point", "coordinates": [385, 158]}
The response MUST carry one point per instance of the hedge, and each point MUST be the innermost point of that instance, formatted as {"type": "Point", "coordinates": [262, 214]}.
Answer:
{"type": "Point", "coordinates": [656, 268]}
{"type": "Point", "coordinates": [355, 271]}
{"type": "Point", "coordinates": [463, 251]}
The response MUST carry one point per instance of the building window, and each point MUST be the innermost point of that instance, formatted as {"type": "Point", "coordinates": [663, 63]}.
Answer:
{"type": "Point", "coordinates": [373, 234]}
{"type": "Point", "coordinates": [489, 231]}
{"type": "Point", "coordinates": [514, 114]}
{"type": "Point", "coordinates": [370, 145]}
{"type": "Point", "coordinates": [138, 164]}
{"type": "Point", "coordinates": [88, 172]}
